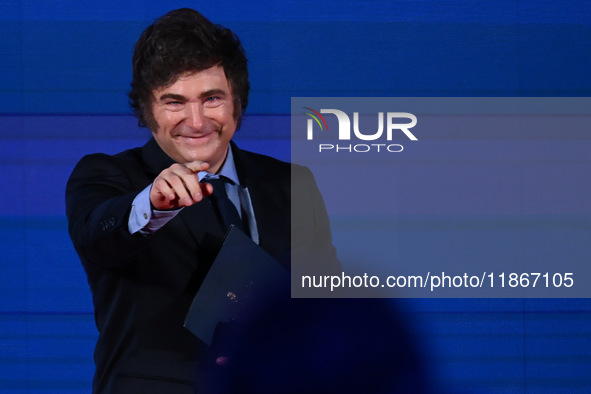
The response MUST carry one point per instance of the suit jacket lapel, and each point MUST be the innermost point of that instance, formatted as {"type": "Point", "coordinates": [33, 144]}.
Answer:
{"type": "Point", "coordinates": [266, 202]}
{"type": "Point", "coordinates": [154, 158]}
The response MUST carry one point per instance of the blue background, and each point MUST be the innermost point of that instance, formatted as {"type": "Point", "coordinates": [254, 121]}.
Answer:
{"type": "Point", "coordinates": [65, 68]}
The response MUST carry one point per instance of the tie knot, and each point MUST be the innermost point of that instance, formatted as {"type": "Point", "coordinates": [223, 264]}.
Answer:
{"type": "Point", "coordinates": [219, 186]}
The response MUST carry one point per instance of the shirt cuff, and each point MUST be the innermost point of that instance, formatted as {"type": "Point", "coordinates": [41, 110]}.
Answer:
{"type": "Point", "coordinates": [145, 220]}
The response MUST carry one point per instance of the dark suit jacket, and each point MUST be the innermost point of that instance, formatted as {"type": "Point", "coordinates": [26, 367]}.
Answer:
{"type": "Point", "coordinates": [142, 286]}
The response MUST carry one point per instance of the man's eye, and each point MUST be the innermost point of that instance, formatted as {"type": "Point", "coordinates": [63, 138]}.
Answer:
{"type": "Point", "coordinates": [174, 105]}
{"type": "Point", "coordinates": [213, 101]}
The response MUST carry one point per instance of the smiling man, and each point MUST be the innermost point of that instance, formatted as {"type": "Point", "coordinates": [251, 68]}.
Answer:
{"type": "Point", "coordinates": [145, 222]}
{"type": "Point", "coordinates": [194, 123]}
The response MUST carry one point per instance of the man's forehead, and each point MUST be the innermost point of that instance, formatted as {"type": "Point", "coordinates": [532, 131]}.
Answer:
{"type": "Point", "coordinates": [200, 82]}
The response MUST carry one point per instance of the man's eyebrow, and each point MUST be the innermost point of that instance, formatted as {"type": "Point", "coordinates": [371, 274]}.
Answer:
{"type": "Point", "coordinates": [172, 96]}
{"type": "Point", "coordinates": [214, 92]}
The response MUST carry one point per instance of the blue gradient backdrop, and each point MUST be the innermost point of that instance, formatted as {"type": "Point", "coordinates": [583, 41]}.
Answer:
{"type": "Point", "coordinates": [65, 72]}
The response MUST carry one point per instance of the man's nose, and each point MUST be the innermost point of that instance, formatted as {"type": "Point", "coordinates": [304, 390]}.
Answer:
{"type": "Point", "coordinates": [195, 117]}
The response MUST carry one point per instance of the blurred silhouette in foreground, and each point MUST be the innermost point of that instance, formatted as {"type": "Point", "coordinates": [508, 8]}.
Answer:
{"type": "Point", "coordinates": [323, 346]}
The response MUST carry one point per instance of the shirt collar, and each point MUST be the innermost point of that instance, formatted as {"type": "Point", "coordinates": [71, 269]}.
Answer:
{"type": "Point", "coordinates": [228, 169]}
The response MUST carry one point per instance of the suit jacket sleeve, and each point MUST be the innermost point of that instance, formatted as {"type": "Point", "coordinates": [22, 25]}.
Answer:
{"type": "Point", "coordinates": [99, 195]}
{"type": "Point", "coordinates": [312, 248]}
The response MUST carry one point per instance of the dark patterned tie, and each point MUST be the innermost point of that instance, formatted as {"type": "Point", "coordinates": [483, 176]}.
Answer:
{"type": "Point", "coordinates": [226, 208]}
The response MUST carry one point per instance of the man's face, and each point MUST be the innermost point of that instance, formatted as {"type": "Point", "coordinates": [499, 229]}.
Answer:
{"type": "Point", "coordinates": [194, 117]}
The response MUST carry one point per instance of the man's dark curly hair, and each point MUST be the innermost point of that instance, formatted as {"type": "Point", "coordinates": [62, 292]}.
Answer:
{"type": "Point", "coordinates": [179, 42]}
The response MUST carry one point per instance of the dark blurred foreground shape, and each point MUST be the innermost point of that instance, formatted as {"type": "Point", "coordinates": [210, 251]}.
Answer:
{"type": "Point", "coordinates": [324, 346]}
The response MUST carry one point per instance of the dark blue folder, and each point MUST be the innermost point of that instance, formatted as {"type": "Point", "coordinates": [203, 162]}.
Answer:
{"type": "Point", "coordinates": [240, 275]}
